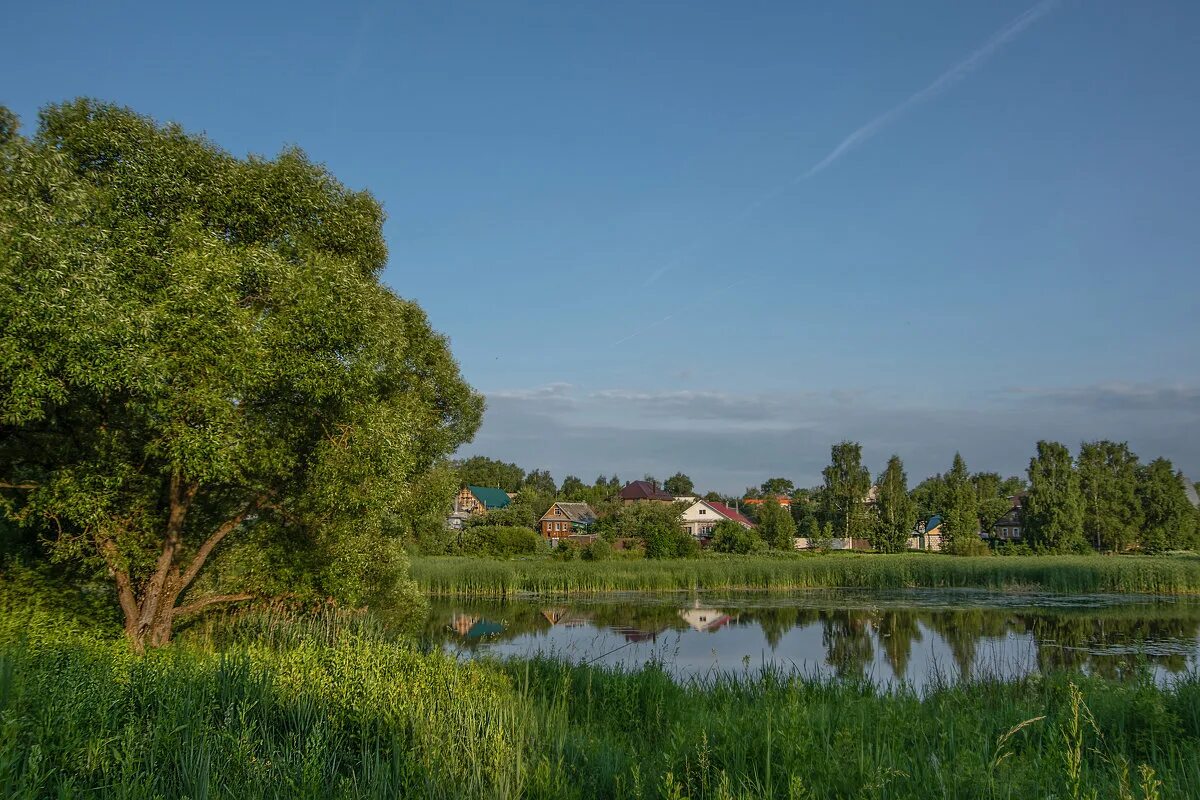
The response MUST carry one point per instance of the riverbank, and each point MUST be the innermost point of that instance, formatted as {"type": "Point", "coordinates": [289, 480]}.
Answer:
{"type": "Point", "coordinates": [457, 576]}
{"type": "Point", "coordinates": [325, 712]}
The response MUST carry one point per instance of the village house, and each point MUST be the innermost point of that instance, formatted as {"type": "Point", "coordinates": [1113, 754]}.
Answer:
{"type": "Point", "coordinates": [644, 491]}
{"type": "Point", "coordinates": [928, 535]}
{"type": "Point", "coordinates": [702, 516]}
{"type": "Point", "coordinates": [1008, 527]}
{"type": "Point", "coordinates": [473, 500]}
{"type": "Point", "coordinates": [567, 520]}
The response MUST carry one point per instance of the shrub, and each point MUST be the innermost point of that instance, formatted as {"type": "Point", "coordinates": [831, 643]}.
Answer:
{"type": "Point", "coordinates": [598, 550]}
{"type": "Point", "coordinates": [566, 550]}
{"type": "Point", "coordinates": [730, 537]}
{"type": "Point", "coordinates": [659, 527]}
{"type": "Point", "coordinates": [968, 546]}
{"type": "Point", "coordinates": [498, 540]}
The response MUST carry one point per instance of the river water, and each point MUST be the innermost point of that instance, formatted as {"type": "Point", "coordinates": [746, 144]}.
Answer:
{"type": "Point", "coordinates": [913, 636]}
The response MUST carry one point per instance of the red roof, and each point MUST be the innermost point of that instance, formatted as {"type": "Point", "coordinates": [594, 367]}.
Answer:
{"type": "Point", "coordinates": [643, 490]}
{"type": "Point", "coordinates": [729, 513]}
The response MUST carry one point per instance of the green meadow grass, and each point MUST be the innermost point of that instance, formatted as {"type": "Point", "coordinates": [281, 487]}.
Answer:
{"type": "Point", "coordinates": [478, 577]}
{"type": "Point", "coordinates": [333, 711]}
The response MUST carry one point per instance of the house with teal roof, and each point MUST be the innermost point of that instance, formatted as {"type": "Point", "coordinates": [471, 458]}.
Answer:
{"type": "Point", "coordinates": [928, 535]}
{"type": "Point", "coordinates": [479, 499]}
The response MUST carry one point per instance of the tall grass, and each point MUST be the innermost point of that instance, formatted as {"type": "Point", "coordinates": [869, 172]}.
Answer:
{"type": "Point", "coordinates": [329, 712]}
{"type": "Point", "coordinates": [458, 576]}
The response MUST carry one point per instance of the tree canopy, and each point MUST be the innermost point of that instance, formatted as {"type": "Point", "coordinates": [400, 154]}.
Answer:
{"type": "Point", "coordinates": [1054, 507]}
{"type": "Point", "coordinates": [895, 511]}
{"type": "Point", "coordinates": [679, 485]}
{"type": "Point", "coordinates": [775, 525]}
{"type": "Point", "coordinates": [960, 512]}
{"type": "Point", "coordinates": [1108, 485]}
{"type": "Point", "coordinates": [484, 471]}
{"type": "Point", "coordinates": [844, 493]}
{"type": "Point", "coordinates": [206, 393]}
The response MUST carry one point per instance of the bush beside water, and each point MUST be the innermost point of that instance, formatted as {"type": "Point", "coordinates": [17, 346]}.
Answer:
{"type": "Point", "coordinates": [329, 711]}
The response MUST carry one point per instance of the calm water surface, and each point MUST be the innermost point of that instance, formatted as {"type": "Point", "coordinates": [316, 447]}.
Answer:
{"type": "Point", "coordinates": [886, 636]}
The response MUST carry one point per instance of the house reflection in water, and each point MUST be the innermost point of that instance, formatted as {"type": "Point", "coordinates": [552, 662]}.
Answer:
{"type": "Point", "coordinates": [638, 634]}
{"type": "Point", "coordinates": [470, 626]}
{"type": "Point", "coordinates": [564, 616]}
{"type": "Point", "coordinates": [704, 619]}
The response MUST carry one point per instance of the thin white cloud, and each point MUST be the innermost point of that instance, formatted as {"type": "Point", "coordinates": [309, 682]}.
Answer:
{"type": "Point", "coordinates": [943, 82]}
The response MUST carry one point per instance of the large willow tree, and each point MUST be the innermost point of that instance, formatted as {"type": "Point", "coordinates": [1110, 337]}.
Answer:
{"type": "Point", "coordinates": [205, 391]}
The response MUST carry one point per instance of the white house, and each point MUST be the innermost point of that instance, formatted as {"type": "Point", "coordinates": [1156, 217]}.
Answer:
{"type": "Point", "coordinates": [703, 515]}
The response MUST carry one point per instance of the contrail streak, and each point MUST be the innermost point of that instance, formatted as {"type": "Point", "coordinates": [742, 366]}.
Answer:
{"type": "Point", "coordinates": [943, 82]}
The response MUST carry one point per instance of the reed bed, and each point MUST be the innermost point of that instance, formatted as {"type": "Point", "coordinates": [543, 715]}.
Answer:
{"type": "Point", "coordinates": [327, 711]}
{"type": "Point", "coordinates": [477, 577]}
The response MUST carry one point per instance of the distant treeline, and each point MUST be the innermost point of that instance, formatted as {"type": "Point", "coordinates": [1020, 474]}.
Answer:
{"type": "Point", "coordinates": [1103, 498]}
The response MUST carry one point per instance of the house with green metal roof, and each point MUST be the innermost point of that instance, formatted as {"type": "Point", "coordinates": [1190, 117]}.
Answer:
{"type": "Point", "coordinates": [480, 499]}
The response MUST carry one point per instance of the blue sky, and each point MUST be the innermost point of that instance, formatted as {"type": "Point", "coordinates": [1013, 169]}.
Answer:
{"type": "Point", "coordinates": [608, 208]}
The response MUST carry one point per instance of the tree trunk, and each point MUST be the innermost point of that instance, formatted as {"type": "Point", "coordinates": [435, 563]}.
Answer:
{"type": "Point", "coordinates": [150, 618]}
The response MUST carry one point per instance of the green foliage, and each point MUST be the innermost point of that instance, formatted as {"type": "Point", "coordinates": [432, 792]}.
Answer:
{"type": "Point", "coordinates": [1170, 520]}
{"type": "Point", "coordinates": [777, 487]}
{"type": "Point", "coordinates": [847, 482]}
{"type": "Point", "coordinates": [960, 516]}
{"type": "Point", "coordinates": [730, 537]}
{"type": "Point", "coordinates": [679, 485]}
{"type": "Point", "coordinates": [498, 540]}
{"type": "Point", "coordinates": [895, 511]}
{"type": "Point", "coordinates": [541, 482]}
{"type": "Point", "coordinates": [659, 527]}
{"type": "Point", "coordinates": [205, 389]}
{"type": "Point", "coordinates": [1108, 486]}
{"type": "Point", "coordinates": [1053, 515]}
{"type": "Point", "coordinates": [931, 496]}
{"type": "Point", "coordinates": [598, 550]}
{"type": "Point", "coordinates": [775, 525]}
{"type": "Point", "coordinates": [420, 520]}
{"type": "Point", "coordinates": [991, 499]}
{"type": "Point", "coordinates": [573, 489]}
{"type": "Point", "coordinates": [484, 471]}
{"type": "Point", "coordinates": [822, 536]}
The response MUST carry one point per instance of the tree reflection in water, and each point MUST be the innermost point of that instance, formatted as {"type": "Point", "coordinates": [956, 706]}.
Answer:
{"type": "Point", "coordinates": [859, 632]}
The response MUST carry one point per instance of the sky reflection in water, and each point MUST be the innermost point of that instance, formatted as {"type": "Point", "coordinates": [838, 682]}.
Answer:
{"type": "Point", "coordinates": [912, 635]}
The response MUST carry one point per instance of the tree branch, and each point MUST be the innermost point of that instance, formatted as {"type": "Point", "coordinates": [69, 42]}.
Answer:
{"type": "Point", "coordinates": [7, 485]}
{"type": "Point", "coordinates": [212, 541]}
{"type": "Point", "coordinates": [205, 602]}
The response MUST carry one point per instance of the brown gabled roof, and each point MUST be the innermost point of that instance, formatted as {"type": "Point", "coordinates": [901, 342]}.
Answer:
{"type": "Point", "coordinates": [644, 490]}
{"type": "Point", "coordinates": [576, 512]}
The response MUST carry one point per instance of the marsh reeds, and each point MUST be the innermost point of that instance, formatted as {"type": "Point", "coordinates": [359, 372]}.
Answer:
{"type": "Point", "coordinates": [479, 577]}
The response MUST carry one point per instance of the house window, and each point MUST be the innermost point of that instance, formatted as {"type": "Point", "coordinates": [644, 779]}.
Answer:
{"type": "Point", "coordinates": [702, 511]}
